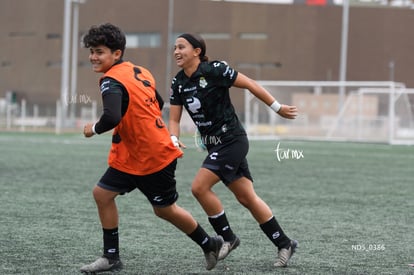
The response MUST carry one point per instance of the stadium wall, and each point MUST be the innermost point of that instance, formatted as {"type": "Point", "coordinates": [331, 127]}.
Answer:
{"type": "Point", "coordinates": [264, 41]}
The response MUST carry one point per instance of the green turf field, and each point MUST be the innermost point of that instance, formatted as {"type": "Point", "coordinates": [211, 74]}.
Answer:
{"type": "Point", "coordinates": [350, 206]}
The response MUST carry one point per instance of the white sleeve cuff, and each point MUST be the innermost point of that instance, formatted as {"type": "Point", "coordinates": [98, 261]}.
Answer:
{"type": "Point", "coordinates": [93, 129]}
{"type": "Point", "coordinates": [174, 140]}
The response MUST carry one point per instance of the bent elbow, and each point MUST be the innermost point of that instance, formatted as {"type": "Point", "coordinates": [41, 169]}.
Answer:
{"type": "Point", "coordinates": [114, 121]}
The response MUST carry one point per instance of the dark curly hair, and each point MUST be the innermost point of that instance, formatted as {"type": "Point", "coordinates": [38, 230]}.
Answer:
{"type": "Point", "coordinates": [106, 34]}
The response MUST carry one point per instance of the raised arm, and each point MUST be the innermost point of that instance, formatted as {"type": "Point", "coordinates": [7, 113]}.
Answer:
{"type": "Point", "coordinates": [244, 82]}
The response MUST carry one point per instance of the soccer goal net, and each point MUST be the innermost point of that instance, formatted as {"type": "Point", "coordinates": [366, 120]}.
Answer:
{"type": "Point", "coordinates": [333, 110]}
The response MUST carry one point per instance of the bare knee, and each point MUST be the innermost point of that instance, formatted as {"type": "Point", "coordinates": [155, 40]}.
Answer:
{"type": "Point", "coordinates": [158, 212]}
{"type": "Point", "coordinates": [164, 213]}
{"type": "Point", "coordinates": [244, 192]}
{"type": "Point", "coordinates": [198, 189]}
{"type": "Point", "coordinates": [247, 200]}
{"type": "Point", "coordinates": [102, 196]}
{"type": "Point", "coordinates": [195, 190]}
{"type": "Point", "coordinates": [243, 200]}
{"type": "Point", "coordinates": [203, 182]}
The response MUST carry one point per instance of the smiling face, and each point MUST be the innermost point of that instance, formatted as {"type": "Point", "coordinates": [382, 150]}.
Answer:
{"type": "Point", "coordinates": [185, 55]}
{"type": "Point", "coordinates": [102, 58]}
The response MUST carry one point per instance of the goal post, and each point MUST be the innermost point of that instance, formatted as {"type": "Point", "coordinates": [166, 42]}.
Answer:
{"type": "Point", "coordinates": [366, 111]}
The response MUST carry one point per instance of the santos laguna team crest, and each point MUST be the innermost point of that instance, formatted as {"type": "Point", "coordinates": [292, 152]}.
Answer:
{"type": "Point", "coordinates": [203, 83]}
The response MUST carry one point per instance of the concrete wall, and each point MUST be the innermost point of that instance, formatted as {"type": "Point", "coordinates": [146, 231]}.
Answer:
{"type": "Point", "coordinates": [303, 42]}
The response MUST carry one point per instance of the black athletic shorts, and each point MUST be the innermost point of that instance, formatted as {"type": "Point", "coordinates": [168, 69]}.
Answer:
{"type": "Point", "coordinates": [159, 187]}
{"type": "Point", "coordinates": [227, 159]}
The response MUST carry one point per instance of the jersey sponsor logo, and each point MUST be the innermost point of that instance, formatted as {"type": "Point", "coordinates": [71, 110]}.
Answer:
{"type": "Point", "coordinates": [203, 82]}
{"type": "Point", "coordinates": [190, 89]}
{"type": "Point", "coordinates": [150, 100]}
{"type": "Point", "coordinates": [194, 104]}
{"type": "Point", "coordinates": [203, 124]}
{"type": "Point", "coordinates": [229, 72]}
{"type": "Point", "coordinates": [201, 116]}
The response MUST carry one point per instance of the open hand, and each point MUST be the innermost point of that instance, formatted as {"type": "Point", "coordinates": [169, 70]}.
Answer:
{"type": "Point", "coordinates": [288, 111]}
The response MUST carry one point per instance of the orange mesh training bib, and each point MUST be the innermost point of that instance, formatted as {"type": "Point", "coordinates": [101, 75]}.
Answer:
{"type": "Point", "coordinates": [141, 143]}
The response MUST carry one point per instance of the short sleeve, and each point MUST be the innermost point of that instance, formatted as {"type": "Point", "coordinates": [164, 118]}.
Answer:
{"type": "Point", "coordinates": [175, 98]}
{"type": "Point", "coordinates": [226, 75]}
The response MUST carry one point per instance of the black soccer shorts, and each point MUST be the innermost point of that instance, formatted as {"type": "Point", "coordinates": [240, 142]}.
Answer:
{"type": "Point", "coordinates": [227, 159]}
{"type": "Point", "coordinates": [159, 187]}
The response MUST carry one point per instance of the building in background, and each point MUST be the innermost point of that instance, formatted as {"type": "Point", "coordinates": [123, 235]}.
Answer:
{"type": "Point", "coordinates": [263, 40]}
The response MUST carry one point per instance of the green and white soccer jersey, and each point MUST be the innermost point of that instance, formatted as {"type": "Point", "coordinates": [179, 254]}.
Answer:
{"type": "Point", "coordinates": [205, 95]}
